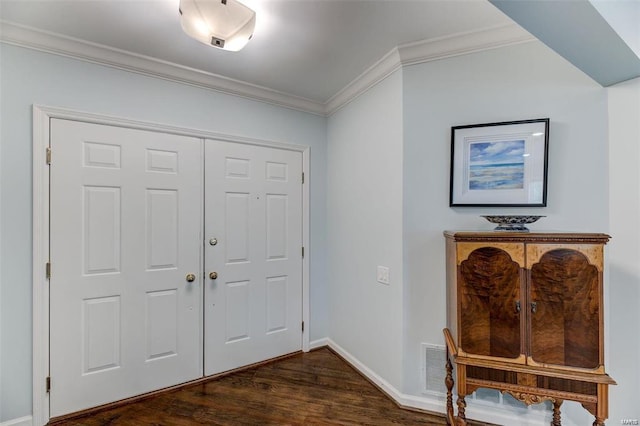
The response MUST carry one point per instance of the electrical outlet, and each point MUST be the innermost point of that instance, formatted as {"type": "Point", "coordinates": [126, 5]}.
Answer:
{"type": "Point", "coordinates": [383, 275]}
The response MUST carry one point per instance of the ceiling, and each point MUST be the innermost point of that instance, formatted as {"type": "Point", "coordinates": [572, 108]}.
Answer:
{"type": "Point", "coordinates": [316, 55]}
{"type": "Point", "coordinates": [305, 48]}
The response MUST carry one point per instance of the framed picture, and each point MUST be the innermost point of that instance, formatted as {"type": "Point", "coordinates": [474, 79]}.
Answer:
{"type": "Point", "coordinates": [500, 164]}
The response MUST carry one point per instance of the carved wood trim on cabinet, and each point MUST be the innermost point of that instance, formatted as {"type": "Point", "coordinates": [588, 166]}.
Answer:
{"type": "Point", "coordinates": [593, 252]}
{"type": "Point", "coordinates": [516, 251]}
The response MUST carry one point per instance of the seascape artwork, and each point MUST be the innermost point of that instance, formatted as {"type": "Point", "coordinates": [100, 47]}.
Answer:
{"type": "Point", "coordinates": [496, 165]}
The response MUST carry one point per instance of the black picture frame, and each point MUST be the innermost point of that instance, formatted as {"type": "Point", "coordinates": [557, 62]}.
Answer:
{"type": "Point", "coordinates": [499, 164]}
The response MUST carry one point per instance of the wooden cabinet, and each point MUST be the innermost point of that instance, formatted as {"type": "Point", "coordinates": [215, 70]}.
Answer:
{"type": "Point", "coordinates": [525, 316]}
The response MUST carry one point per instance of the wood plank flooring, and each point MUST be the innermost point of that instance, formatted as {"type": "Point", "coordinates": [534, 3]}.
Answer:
{"type": "Point", "coordinates": [316, 388]}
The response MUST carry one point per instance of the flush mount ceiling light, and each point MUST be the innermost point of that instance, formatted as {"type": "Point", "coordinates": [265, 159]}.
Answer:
{"type": "Point", "coordinates": [226, 24]}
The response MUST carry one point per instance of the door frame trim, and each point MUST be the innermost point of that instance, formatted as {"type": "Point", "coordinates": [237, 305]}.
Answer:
{"type": "Point", "coordinates": [40, 219]}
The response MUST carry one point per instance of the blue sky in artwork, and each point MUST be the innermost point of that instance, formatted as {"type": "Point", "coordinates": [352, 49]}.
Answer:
{"type": "Point", "coordinates": [502, 152]}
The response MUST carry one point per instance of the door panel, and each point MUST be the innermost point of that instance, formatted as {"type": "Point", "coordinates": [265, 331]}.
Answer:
{"type": "Point", "coordinates": [253, 208]}
{"type": "Point", "coordinates": [126, 227]}
{"type": "Point", "coordinates": [489, 290]}
{"type": "Point", "coordinates": [565, 331]}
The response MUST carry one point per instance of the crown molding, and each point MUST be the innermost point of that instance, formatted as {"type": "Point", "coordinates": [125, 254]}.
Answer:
{"type": "Point", "coordinates": [427, 51]}
{"type": "Point", "coordinates": [463, 44]}
{"type": "Point", "coordinates": [44, 41]}
{"type": "Point", "coordinates": [377, 72]}
{"type": "Point", "coordinates": [396, 58]}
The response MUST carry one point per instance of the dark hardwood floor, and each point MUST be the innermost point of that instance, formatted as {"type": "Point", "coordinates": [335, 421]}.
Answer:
{"type": "Point", "coordinates": [316, 388]}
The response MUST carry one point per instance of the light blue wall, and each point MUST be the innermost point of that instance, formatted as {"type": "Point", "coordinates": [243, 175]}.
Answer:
{"type": "Point", "coordinates": [380, 170]}
{"type": "Point", "coordinates": [512, 83]}
{"type": "Point", "coordinates": [28, 77]}
{"type": "Point", "coordinates": [365, 228]}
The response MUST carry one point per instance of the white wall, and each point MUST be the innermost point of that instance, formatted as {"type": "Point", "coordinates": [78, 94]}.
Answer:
{"type": "Point", "coordinates": [512, 83]}
{"type": "Point", "coordinates": [623, 290]}
{"type": "Point", "coordinates": [364, 227]}
{"type": "Point", "coordinates": [29, 77]}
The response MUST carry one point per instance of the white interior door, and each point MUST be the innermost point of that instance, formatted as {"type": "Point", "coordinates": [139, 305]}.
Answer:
{"type": "Point", "coordinates": [253, 241]}
{"type": "Point", "coordinates": [126, 229]}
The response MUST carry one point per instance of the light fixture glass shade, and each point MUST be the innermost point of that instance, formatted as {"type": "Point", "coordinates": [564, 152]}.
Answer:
{"type": "Point", "coordinates": [226, 24]}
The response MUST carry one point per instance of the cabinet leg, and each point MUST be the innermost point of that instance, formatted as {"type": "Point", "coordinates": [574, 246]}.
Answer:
{"type": "Point", "coordinates": [599, 421]}
{"type": "Point", "coordinates": [556, 413]}
{"type": "Point", "coordinates": [448, 381]}
{"type": "Point", "coordinates": [462, 419]}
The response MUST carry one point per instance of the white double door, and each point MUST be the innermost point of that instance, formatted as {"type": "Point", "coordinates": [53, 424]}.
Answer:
{"type": "Point", "coordinates": [138, 221]}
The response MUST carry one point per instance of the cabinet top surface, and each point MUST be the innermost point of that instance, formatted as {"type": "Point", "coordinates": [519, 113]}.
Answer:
{"type": "Point", "coordinates": [538, 237]}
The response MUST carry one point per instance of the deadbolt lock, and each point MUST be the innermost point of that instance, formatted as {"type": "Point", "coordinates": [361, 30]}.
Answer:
{"type": "Point", "coordinates": [191, 278]}
{"type": "Point", "coordinates": [213, 275]}
{"type": "Point", "coordinates": [213, 241]}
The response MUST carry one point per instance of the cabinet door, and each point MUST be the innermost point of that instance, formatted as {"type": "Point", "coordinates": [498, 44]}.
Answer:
{"type": "Point", "coordinates": [565, 309]}
{"type": "Point", "coordinates": [489, 283]}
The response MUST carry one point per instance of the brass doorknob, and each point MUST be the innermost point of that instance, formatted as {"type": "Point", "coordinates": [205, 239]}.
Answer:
{"type": "Point", "coordinates": [213, 275]}
{"type": "Point", "coordinates": [191, 278]}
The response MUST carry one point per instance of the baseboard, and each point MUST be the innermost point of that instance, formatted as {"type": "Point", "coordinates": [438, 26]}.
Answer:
{"type": "Point", "coordinates": [479, 412]}
{"type": "Point", "coordinates": [381, 383]}
{"type": "Point", "coordinates": [406, 401]}
{"type": "Point", "coordinates": [22, 421]}
{"type": "Point", "coordinates": [319, 343]}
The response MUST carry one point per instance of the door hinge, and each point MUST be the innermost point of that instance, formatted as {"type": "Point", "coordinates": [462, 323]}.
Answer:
{"type": "Point", "coordinates": [303, 326]}
{"type": "Point", "coordinates": [303, 252]}
{"type": "Point", "coordinates": [303, 177]}
{"type": "Point", "coordinates": [48, 270]}
{"type": "Point", "coordinates": [49, 155]}
{"type": "Point", "coordinates": [48, 385]}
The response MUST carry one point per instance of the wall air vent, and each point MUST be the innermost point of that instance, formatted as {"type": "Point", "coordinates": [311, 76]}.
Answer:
{"type": "Point", "coordinates": [433, 369]}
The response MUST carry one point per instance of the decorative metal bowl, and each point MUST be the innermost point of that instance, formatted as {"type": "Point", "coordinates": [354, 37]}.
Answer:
{"type": "Point", "coordinates": [512, 223]}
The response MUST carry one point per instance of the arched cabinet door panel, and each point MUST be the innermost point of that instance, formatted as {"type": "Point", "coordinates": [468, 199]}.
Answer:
{"type": "Point", "coordinates": [565, 310]}
{"type": "Point", "coordinates": [489, 286]}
